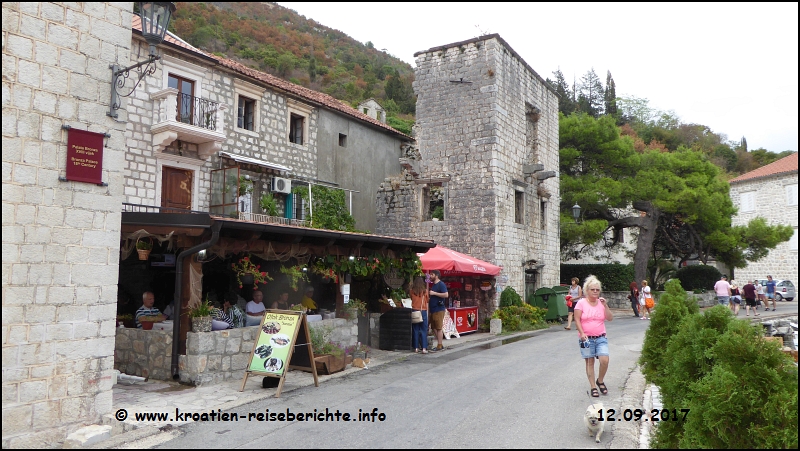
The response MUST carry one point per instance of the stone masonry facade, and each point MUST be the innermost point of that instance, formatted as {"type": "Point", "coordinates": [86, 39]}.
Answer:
{"type": "Point", "coordinates": [487, 133]}
{"type": "Point", "coordinates": [268, 141]}
{"type": "Point", "coordinates": [211, 357]}
{"type": "Point", "coordinates": [773, 203]}
{"type": "Point", "coordinates": [60, 239]}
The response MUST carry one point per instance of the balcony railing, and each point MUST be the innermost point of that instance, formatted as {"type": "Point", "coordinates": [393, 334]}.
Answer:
{"type": "Point", "coordinates": [197, 111]}
{"type": "Point", "coordinates": [188, 118]}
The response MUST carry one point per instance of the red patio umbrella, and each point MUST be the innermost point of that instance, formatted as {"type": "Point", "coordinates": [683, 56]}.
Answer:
{"type": "Point", "coordinates": [456, 263]}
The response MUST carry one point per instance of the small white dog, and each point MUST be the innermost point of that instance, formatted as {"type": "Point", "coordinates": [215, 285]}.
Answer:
{"type": "Point", "coordinates": [592, 421]}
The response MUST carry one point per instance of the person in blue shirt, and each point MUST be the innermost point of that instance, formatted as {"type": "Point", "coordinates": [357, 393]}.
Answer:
{"type": "Point", "coordinates": [770, 294]}
{"type": "Point", "coordinates": [437, 308]}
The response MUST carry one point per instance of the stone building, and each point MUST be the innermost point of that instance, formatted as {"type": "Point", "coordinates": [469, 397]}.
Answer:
{"type": "Point", "coordinates": [373, 109]}
{"type": "Point", "coordinates": [233, 116]}
{"type": "Point", "coordinates": [771, 193]}
{"type": "Point", "coordinates": [60, 238]}
{"type": "Point", "coordinates": [487, 136]}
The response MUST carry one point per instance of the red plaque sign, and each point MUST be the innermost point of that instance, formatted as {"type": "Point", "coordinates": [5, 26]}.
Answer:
{"type": "Point", "coordinates": [85, 156]}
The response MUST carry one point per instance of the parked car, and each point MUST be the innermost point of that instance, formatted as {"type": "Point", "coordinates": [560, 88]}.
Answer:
{"type": "Point", "coordinates": [784, 289]}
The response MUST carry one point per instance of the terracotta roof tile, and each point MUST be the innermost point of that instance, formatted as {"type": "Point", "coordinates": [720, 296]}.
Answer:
{"type": "Point", "coordinates": [784, 165]}
{"type": "Point", "coordinates": [297, 90]}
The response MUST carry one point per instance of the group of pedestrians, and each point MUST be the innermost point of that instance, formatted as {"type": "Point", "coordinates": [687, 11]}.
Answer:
{"type": "Point", "coordinates": [753, 292]}
{"type": "Point", "coordinates": [642, 301]}
{"type": "Point", "coordinates": [431, 305]}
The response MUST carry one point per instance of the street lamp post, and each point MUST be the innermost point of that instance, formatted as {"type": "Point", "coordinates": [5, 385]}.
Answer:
{"type": "Point", "coordinates": [155, 20]}
{"type": "Point", "coordinates": [576, 212]}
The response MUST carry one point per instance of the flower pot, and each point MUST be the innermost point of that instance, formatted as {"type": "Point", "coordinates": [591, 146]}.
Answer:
{"type": "Point", "coordinates": [201, 324]}
{"type": "Point", "coordinates": [329, 364]}
{"type": "Point", "coordinates": [146, 325]}
{"type": "Point", "coordinates": [144, 254]}
{"type": "Point", "coordinates": [247, 279]}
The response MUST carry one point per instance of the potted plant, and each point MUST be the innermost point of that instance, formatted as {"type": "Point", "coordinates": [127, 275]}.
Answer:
{"type": "Point", "coordinates": [201, 317]}
{"type": "Point", "coordinates": [245, 185]}
{"type": "Point", "coordinates": [248, 272]}
{"type": "Point", "coordinates": [143, 248]}
{"type": "Point", "coordinates": [328, 357]}
{"type": "Point", "coordinates": [268, 204]}
{"type": "Point", "coordinates": [147, 321]}
{"type": "Point", "coordinates": [295, 274]}
{"type": "Point", "coordinates": [354, 309]}
{"type": "Point", "coordinates": [358, 351]}
{"type": "Point", "coordinates": [126, 320]}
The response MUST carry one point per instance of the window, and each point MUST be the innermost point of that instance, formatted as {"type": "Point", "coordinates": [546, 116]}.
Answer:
{"type": "Point", "coordinates": [342, 140]}
{"type": "Point", "coordinates": [793, 240]}
{"type": "Point", "coordinates": [245, 115]}
{"type": "Point", "coordinates": [791, 195]}
{"type": "Point", "coordinates": [296, 123]}
{"type": "Point", "coordinates": [366, 111]}
{"type": "Point", "coordinates": [749, 201]}
{"type": "Point", "coordinates": [434, 201]}
{"type": "Point", "coordinates": [185, 89]}
{"type": "Point", "coordinates": [519, 207]}
{"type": "Point", "coordinates": [542, 214]}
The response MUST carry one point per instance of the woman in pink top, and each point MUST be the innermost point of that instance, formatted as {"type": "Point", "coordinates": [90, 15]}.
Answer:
{"type": "Point", "coordinates": [591, 313]}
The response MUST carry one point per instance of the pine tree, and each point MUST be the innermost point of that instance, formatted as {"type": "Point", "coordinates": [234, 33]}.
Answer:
{"type": "Point", "coordinates": [566, 103]}
{"type": "Point", "coordinates": [590, 94]}
{"type": "Point", "coordinates": [611, 96]}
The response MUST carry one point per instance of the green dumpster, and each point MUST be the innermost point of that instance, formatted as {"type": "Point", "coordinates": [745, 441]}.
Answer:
{"type": "Point", "coordinates": [545, 298]}
{"type": "Point", "coordinates": [561, 301]}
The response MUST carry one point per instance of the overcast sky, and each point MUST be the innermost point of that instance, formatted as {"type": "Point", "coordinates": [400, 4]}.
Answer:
{"type": "Point", "coordinates": [729, 66]}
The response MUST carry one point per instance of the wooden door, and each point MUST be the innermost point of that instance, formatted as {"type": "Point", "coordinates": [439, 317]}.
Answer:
{"type": "Point", "coordinates": [176, 189]}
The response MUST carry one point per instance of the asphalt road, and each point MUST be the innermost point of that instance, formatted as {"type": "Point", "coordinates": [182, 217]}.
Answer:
{"type": "Point", "coordinates": [531, 393]}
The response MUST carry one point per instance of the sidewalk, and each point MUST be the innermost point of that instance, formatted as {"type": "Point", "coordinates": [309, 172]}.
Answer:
{"type": "Point", "coordinates": [160, 396]}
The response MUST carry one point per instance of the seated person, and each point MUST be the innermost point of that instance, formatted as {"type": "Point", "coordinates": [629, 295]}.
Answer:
{"type": "Point", "coordinates": [255, 309]}
{"type": "Point", "coordinates": [147, 309]}
{"type": "Point", "coordinates": [282, 303]}
{"type": "Point", "coordinates": [233, 312]}
{"type": "Point", "coordinates": [307, 302]}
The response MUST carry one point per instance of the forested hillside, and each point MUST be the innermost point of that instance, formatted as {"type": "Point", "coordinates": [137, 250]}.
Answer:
{"type": "Point", "coordinates": [277, 40]}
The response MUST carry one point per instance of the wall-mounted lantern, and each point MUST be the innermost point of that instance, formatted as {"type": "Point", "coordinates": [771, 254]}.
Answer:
{"type": "Point", "coordinates": [155, 18]}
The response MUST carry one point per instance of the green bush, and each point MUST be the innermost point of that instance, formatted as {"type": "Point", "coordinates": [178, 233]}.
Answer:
{"type": "Point", "coordinates": [673, 306]}
{"type": "Point", "coordinates": [509, 297]}
{"type": "Point", "coordinates": [741, 391]}
{"type": "Point", "coordinates": [698, 276]}
{"type": "Point", "coordinates": [520, 317]}
{"type": "Point", "coordinates": [614, 277]}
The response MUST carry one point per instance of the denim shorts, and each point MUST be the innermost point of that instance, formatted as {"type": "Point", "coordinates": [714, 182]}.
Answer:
{"type": "Point", "coordinates": [597, 347]}
{"type": "Point", "coordinates": [723, 300]}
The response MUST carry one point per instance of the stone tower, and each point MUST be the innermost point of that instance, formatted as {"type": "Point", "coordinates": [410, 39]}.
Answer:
{"type": "Point", "coordinates": [487, 137]}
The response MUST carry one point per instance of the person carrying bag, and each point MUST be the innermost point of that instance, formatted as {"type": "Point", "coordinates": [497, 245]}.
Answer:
{"type": "Point", "coordinates": [419, 315]}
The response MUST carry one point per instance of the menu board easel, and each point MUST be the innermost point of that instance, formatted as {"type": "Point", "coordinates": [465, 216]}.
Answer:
{"type": "Point", "coordinates": [280, 333]}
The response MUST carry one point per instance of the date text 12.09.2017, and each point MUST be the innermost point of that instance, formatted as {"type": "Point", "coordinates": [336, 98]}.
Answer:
{"type": "Point", "coordinates": [641, 415]}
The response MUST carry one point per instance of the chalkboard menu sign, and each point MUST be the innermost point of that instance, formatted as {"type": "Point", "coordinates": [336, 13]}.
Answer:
{"type": "Point", "coordinates": [283, 341]}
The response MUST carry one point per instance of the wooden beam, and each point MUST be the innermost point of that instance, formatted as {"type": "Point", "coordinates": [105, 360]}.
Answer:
{"type": "Point", "coordinates": [164, 230]}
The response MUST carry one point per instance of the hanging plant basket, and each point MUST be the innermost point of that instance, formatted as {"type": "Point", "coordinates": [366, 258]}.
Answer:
{"type": "Point", "coordinates": [143, 248]}
{"type": "Point", "coordinates": [247, 279]}
{"type": "Point", "coordinates": [144, 254]}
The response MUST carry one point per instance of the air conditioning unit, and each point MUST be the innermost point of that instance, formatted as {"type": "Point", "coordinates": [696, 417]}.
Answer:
{"type": "Point", "coordinates": [281, 185]}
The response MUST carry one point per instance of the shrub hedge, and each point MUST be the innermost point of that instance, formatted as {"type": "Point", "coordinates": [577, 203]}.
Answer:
{"type": "Point", "coordinates": [509, 297]}
{"type": "Point", "coordinates": [740, 390]}
{"type": "Point", "coordinates": [614, 277]}
{"type": "Point", "coordinates": [698, 276]}
{"type": "Point", "coordinates": [519, 317]}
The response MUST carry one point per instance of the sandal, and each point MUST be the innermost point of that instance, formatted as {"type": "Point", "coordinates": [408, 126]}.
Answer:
{"type": "Point", "coordinates": [416, 350]}
{"type": "Point", "coordinates": [602, 387]}
{"type": "Point", "coordinates": [595, 393]}
{"type": "Point", "coordinates": [567, 328]}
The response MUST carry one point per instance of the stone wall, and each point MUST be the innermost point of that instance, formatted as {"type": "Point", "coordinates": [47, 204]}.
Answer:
{"type": "Point", "coordinates": [484, 119]}
{"type": "Point", "coordinates": [772, 204]}
{"type": "Point", "coordinates": [211, 357]}
{"type": "Point", "coordinates": [618, 299]}
{"type": "Point", "coordinates": [60, 239]}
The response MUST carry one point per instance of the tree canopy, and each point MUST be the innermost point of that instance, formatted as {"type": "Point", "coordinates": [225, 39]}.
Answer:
{"type": "Point", "coordinates": [678, 198]}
